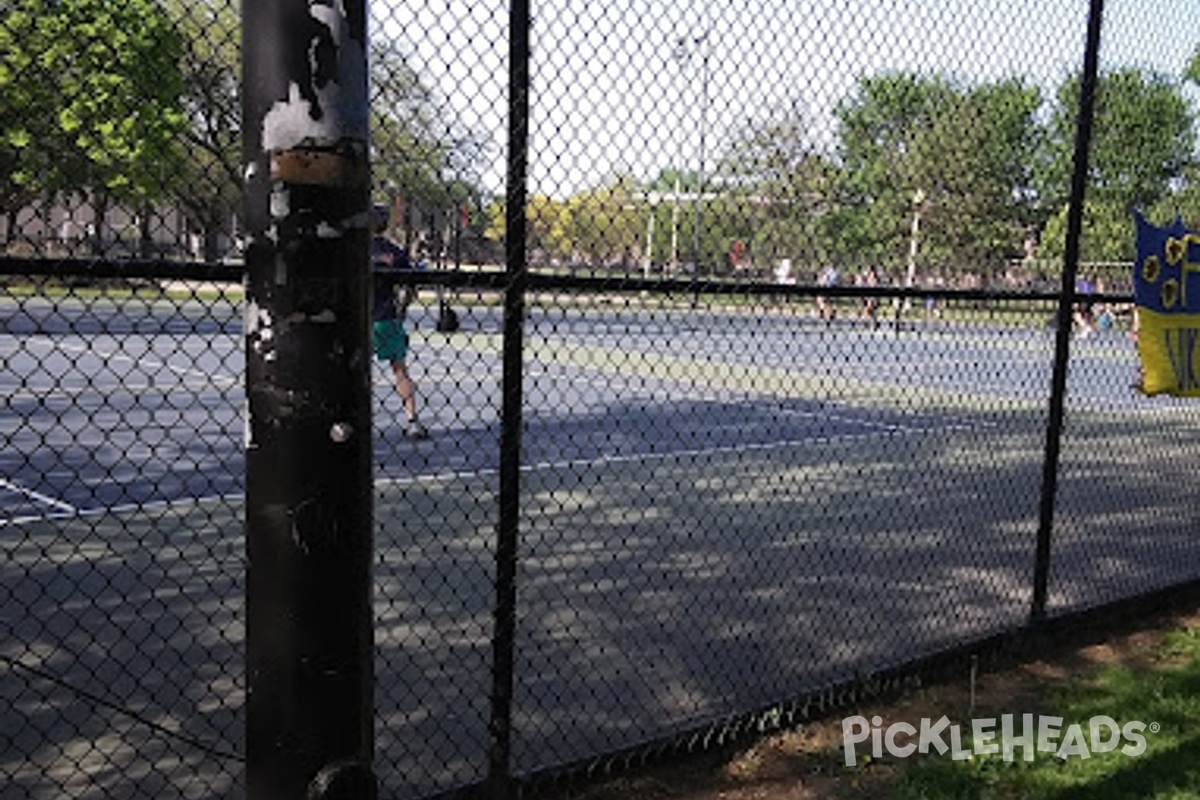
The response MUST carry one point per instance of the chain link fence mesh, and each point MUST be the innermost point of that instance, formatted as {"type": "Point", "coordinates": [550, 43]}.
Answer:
{"type": "Point", "coordinates": [120, 488]}
{"type": "Point", "coordinates": [788, 348]}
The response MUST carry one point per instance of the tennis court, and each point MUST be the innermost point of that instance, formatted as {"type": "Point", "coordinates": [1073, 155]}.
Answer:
{"type": "Point", "coordinates": [100, 394]}
{"type": "Point", "coordinates": [721, 507]}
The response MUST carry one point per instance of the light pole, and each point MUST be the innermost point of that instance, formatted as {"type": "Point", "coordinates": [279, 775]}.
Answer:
{"type": "Point", "coordinates": [684, 47]}
{"type": "Point", "coordinates": [918, 200]}
{"type": "Point", "coordinates": [914, 235]}
{"type": "Point", "coordinates": [702, 42]}
{"type": "Point", "coordinates": [648, 259]}
{"type": "Point", "coordinates": [680, 54]}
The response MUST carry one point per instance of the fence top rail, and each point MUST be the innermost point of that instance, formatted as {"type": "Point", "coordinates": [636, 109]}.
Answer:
{"type": "Point", "coordinates": [159, 269]}
{"type": "Point", "coordinates": [151, 269]}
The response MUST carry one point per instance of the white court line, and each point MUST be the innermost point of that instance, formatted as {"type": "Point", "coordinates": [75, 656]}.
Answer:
{"type": "Point", "coordinates": [67, 511]}
{"type": "Point", "coordinates": [222, 381]}
{"type": "Point", "coordinates": [575, 463]}
{"type": "Point", "coordinates": [45, 499]}
{"type": "Point", "coordinates": [60, 391]}
{"type": "Point", "coordinates": [70, 512]}
{"type": "Point", "coordinates": [787, 412]}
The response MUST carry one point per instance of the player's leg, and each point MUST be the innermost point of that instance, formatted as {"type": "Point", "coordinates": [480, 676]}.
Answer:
{"type": "Point", "coordinates": [405, 386]}
{"type": "Point", "coordinates": [408, 395]}
{"type": "Point", "coordinates": [391, 345]}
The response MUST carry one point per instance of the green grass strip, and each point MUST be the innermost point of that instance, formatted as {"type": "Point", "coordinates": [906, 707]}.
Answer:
{"type": "Point", "coordinates": [1160, 690]}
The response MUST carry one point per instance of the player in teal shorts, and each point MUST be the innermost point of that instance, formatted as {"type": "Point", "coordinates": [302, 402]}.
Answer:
{"type": "Point", "coordinates": [388, 336]}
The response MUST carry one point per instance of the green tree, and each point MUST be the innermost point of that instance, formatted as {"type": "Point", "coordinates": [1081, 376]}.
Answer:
{"type": "Point", "coordinates": [963, 151]}
{"type": "Point", "coordinates": [971, 162]}
{"type": "Point", "coordinates": [1184, 198]}
{"type": "Point", "coordinates": [92, 100]}
{"type": "Point", "coordinates": [1142, 141]}
{"type": "Point", "coordinates": [546, 229]}
{"type": "Point", "coordinates": [671, 178]}
{"type": "Point", "coordinates": [115, 70]}
{"type": "Point", "coordinates": [1107, 233]}
{"type": "Point", "coordinates": [211, 190]}
{"type": "Point", "coordinates": [604, 226]}
{"type": "Point", "coordinates": [419, 152]}
{"type": "Point", "coordinates": [27, 110]}
{"type": "Point", "coordinates": [876, 127]}
{"type": "Point", "coordinates": [780, 192]}
{"type": "Point", "coordinates": [674, 215]}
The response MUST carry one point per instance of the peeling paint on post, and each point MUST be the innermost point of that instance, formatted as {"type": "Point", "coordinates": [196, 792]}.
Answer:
{"type": "Point", "coordinates": [309, 635]}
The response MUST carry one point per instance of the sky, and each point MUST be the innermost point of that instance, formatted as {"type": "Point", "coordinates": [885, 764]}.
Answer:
{"type": "Point", "coordinates": [630, 87]}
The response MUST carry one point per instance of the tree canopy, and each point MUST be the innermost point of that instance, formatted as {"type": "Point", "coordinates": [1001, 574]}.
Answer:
{"type": "Point", "coordinates": [1142, 139]}
{"type": "Point", "coordinates": [980, 173]}
{"type": "Point", "coordinates": [137, 103]}
{"type": "Point", "coordinates": [1141, 152]}
{"type": "Point", "coordinates": [92, 98]}
{"type": "Point", "coordinates": [957, 155]}
{"type": "Point", "coordinates": [210, 64]}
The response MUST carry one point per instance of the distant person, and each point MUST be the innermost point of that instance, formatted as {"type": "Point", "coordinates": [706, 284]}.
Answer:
{"type": "Point", "coordinates": [828, 277]}
{"type": "Point", "coordinates": [1082, 315]}
{"type": "Point", "coordinates": [933, 309]}
{"type": "Point", "coordinates": [389, 262]}
{"type": "Point", "coordinates": [1104, 314]}
{"type": "Point", "coordinates": [871, 304]}
{"type": "Point", "coordinates": [784, 277]}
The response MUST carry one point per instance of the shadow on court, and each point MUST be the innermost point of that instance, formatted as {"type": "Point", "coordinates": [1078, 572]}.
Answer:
{"type": "Point", "coordinates": [657, 591]}
{"type": "Point", "coordinates": [122, 667]}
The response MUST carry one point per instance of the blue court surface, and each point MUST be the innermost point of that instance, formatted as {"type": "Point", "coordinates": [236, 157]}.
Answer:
{"type": "Point", "coordinates": [108, 408]}
{"type": "Point", "coordinates": [111, 406]}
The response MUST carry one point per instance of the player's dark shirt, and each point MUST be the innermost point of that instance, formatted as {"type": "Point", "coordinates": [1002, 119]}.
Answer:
{"type": "Point", "coordinates": [388, 261]}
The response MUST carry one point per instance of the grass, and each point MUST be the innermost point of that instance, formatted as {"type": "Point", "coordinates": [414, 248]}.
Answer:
{"type": "Point", "coordinates": [110, 290]}
{"type": "Point", "coordinates": [1159, 686]}
{"type": "Point", "coordinates": [1145, 670]}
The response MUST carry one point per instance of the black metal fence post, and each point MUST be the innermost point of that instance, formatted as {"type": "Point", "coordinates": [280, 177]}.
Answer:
{"type": "Point", "coordinates": [505, 610]}
{"type": "Point", "coordinates": [308, 449]}
{"type": "Point", "coordinates": [1066, 302]}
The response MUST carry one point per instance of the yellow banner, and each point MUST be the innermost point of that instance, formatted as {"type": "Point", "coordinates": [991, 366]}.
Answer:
{"type": "Point", "coordinates": [1168, 307]}
{"type": "Point", "coordinates": [1167, 348]}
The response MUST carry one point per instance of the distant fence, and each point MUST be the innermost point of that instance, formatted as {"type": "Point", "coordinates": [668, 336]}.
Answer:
{"type": "Point", "coordinates": [732, 502]}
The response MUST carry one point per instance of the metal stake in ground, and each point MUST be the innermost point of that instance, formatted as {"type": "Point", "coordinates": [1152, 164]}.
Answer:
{"type": "Point", "coordinates": [308, 448]}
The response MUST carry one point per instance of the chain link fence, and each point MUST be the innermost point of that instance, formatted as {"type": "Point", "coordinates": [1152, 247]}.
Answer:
{"type": "Point", "coordinates": [791, 340]}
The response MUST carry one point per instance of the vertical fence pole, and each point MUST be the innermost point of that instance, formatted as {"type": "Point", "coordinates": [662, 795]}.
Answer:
{"type": "Point", "coordinates": [499, 778]}
{"type": "Point", "coordinates": [309, 637]}
{"type": "Point", "coordinates": [1066, 303]}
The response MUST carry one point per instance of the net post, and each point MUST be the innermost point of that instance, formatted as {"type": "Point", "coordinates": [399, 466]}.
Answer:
{"type": "Point", "coordinates": [309, 628]}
